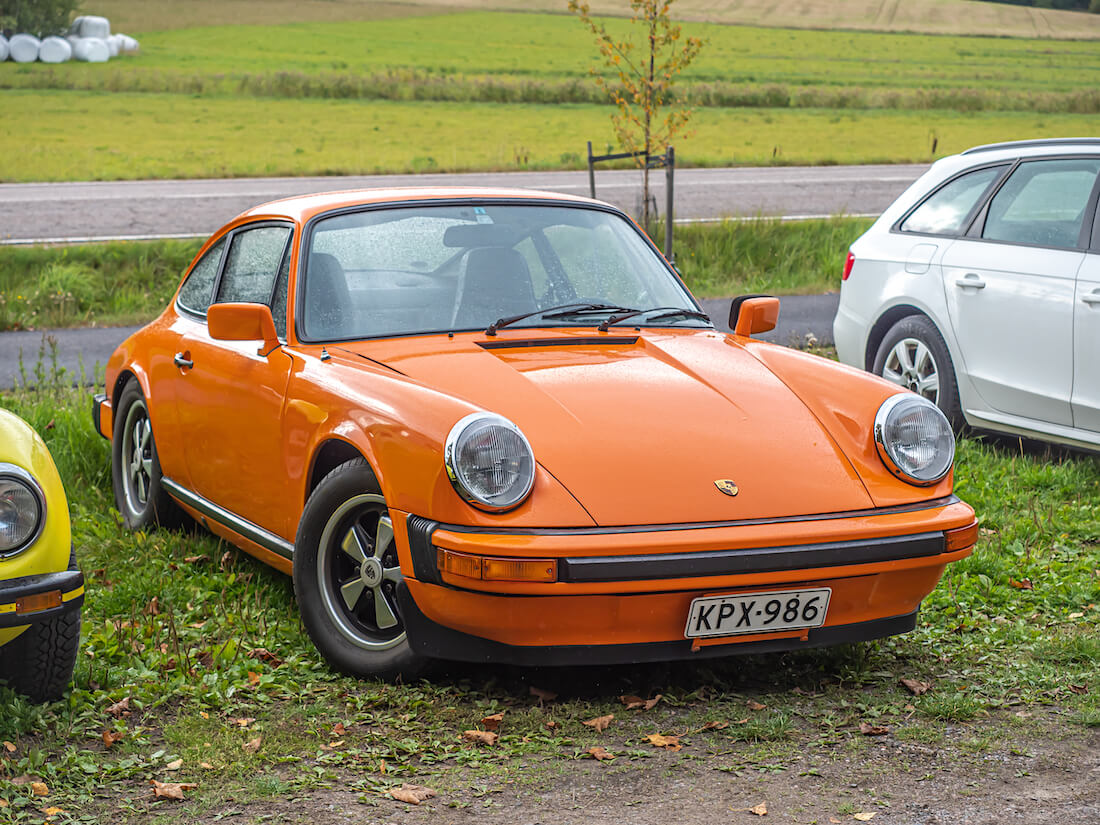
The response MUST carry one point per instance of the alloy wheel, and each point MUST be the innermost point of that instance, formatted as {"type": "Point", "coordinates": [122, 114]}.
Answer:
{"type": "Point", "coordinates": [911, 364]}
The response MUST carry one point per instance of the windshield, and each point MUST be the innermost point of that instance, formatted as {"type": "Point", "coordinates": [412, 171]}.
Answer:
{"type": "Point", "coordinates": [418, 269]}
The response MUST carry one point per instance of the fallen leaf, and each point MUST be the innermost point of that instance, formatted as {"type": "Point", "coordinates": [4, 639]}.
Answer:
{"type": "Point", "coordinates": [9, 747]}
{"type": "Point", "coordinates": [599, 754]}
{"type": "Point", "coordinates": [669, 743]}
{"type": "Point", "coordinates": [482, 737]}
{"type": "Point", "coordinates": [253, 678]}
{"type": "Point", "coordinates": [242, 722]}
{"type": "Point", "coordinates": [174, 765]}
{"type": "Point", "coordinates": [227, 557]}
{"type": "Point", "coordinates": [915, 687]}
{"type": "Point", "coordinates": [53, 811]}
{"type": "Point", "coordinates": [412, 794]}
{"type": "Point", "coordinates": [1076, 615]}
{"type": "Point", "coordinates": [119, 707]}
{"type": "Point", "coordinates": [492, 722]}
{"type": "Point", "coordinates": [760, 810]}
{"type": "Point", "coordinates": [1079, 689]}
{"type": "Point", "coordinates": [909, 708]}
{"type": "Point", "coordinates": [741, 722]}
{"type": "Point", "coordinates": [1024, 584]}
{"type": "Point", "coordinates": [868, 729]}
{"type": "Point", "coordinates": [252, 745]}
{"type": "Point", "coordinates": [600, 723]}
{"type": "Point", "coordinates": [638, 703]}
{"type": "Point", "coordinates": [543, 695]}
{"type": "Point", "coordinates": [206, 659]}
{"type": "Point", "coordinates": [194, 559]}
{"type": "Point", "coordinates": [50, 424]}
{"type": "Point", "coordinates": [754, 705]}
{"type": "Point", "coordinates": [265, 655]}
{"type": "Point", "coordinates": [204, 714]}
{"type": "Point", "coordinates": [4, 803]}
{"type": "Point", "coordinates": [862, 817]}
{"type": "Point", "coordinates": [339, 743]}
{"type": "Point", "coordinates": [40, 789]}
{"type": "Point", "coordinates": [206, 766]}
{"type": "Point", "coordinates": [339, 729]}
{"type": "Point", "coordinates": [171, 790]}
{"type": "Point", "coordinates": [834, 820]}
{"type": "Point", "coordinates": [110, 737]}
{"type": "Point", "coordinates": [153, 608]}
{"type": "Point", "coordinates": [716, 725]}
{"type": "Point", "coordinates": [551, 725]}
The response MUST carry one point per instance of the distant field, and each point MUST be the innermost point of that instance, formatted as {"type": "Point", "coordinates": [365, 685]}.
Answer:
{"type": "Point", "coordinates": [928, 16]}
{"type": "Point", "coordinates": [76, 136]}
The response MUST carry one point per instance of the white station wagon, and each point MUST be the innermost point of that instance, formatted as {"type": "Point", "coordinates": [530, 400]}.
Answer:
{"type": "Point", "coordinates": [979, 288]}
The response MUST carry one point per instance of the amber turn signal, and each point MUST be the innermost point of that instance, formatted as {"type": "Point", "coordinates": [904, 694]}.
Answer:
{"type": "Point", "coordinates": [494, 568]}
{"type": "Point", "coordinates": [38, 602]}
{"type": "Point", "coordinates": [961, 537]}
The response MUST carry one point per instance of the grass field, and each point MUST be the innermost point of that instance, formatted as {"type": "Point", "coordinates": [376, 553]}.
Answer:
{"type": "Point", "coordinates": [221, 688]}
{"type": "Point", "coordinates": [55, 136]}
{"type": "Point", "coordinates": [130, 283]}
{"type": "Point", "coordinates": [929, 16]}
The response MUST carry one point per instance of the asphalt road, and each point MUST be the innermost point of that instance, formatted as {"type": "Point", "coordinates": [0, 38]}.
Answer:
{"type": "Point", "coordinates": [61, 212]}
{"type": "Point", "coordinates": [83, 352]}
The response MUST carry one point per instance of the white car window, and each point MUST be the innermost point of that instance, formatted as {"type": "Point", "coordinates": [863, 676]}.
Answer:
{"type": "Point", "coordinates": [1043, 203]}
{"type": "Point", "coordinates": [945, 212]}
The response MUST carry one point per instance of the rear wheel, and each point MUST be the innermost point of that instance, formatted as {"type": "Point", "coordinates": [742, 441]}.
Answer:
{"type": "Point", "coordinates": [346, 574]}
{"type": "Point", "coordinates": [913, 355]}
{"type": "Point", "coordinates": [135, 468]}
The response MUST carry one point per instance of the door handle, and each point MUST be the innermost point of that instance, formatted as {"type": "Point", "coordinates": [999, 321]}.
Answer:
{"type": "Point", "coordinates": [1091, 297]}
{"type": "Point", "coordinates": [970, 280]}
{"type": "Point", "coordinates": [183, 362]}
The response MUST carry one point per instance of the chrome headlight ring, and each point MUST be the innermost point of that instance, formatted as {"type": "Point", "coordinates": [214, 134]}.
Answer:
{"type": "Point", "coordinates": [17, 482]}
{"type": "Point", "coordinates": [489, 462]}
{"type": "Point", "coordinates": [914, 439]}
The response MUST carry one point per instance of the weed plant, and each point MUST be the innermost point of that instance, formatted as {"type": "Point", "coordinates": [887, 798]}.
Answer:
{"type": "Point", "coordinates": [194, 666]}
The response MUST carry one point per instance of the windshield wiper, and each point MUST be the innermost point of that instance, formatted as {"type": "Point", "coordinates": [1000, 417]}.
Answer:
{"type": "Point", "coordinates": [673, 312]}
{"type": "Point", "coordinates": [560, 311]}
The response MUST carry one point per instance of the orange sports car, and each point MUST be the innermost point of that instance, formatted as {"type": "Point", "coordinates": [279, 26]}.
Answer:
{"type": "Point", "coordinates": [493, 425]}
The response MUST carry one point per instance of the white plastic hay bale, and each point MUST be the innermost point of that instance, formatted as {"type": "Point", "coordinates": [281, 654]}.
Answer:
{"type": "Point", "coordinates": [73, 39]}
{"type": "Point", "coordinates": [129, 45]}
{"type": "Point", "coordinates": [91, 50]}
{"type": "Point", "coordinates": [113, 44]}
{"type": "Point", "coordinates": [23, 48]}
{"type": "Point", "coordinates": [3, 48]}
{"type": "Point", "coordinates": [55, 50]}
{"type": "Point", "coordinates": [92, 26]}
{"type": "Point", "coordinates": [74, 28]}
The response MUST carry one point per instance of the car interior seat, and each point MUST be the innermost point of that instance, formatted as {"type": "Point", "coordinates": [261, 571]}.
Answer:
{"type": "Point", "coordinates": [328, 312]}
{"type": "Point", "coordinates": [495, 284]}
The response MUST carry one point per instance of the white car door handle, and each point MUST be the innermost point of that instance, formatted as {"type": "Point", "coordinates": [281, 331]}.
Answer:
{"type": "Point", "coordinates": [1091, 297]}
{"type": "Point", "coordinates": [970, 280]}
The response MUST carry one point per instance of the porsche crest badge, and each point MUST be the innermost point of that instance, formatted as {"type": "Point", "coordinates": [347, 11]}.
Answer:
{"type": "Point", "coordinates": [726, 486]}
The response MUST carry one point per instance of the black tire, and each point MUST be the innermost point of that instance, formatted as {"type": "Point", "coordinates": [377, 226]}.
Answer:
{"type": "Point", "coordinates": [346, 597]}
{"type": "Point", "coordinates": [912, 352]}
{"type": "Point", "coordinates": [39, 662]}
{"type": "Point", "coordinates": [139, 495]}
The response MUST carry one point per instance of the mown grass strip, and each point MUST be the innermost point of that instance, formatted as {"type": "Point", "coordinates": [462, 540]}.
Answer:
{"type": "Point", "coordinates": [203, 647]}
{"type": "Point", "coordinates": [129, 283]}
{"type": "Point", "coordinates": [82, 136]}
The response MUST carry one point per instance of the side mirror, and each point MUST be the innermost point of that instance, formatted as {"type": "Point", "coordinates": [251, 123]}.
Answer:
{"type": "Point", "coordinates": [243, 322]}
{"type": "Point", "coordinates": [750, 314]}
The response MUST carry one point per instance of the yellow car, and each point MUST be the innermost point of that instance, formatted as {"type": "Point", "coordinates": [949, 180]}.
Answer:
{"type": "Point", "coordinates": [41, 588]}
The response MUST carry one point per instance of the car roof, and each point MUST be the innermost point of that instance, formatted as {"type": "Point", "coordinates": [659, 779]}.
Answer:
{"type": "Point", "coordinates": [303, 207]}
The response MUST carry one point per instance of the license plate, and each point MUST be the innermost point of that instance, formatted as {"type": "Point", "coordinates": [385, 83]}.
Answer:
{"type": "Point", "coordinates": [757, 612]}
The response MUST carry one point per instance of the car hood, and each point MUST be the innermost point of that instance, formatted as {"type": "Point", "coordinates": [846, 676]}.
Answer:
{"type": "Point", "coordinates": [639, 428]}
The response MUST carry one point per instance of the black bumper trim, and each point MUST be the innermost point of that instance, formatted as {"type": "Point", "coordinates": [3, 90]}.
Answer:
{"type": "Point", "coordinates": [749, 560]}
{"type": "Point", "coordinates": [11, 590]}
{"type": "Point", "coordinates": [438, 642]}
{"type": "Point", "coordinates": [98, 400]}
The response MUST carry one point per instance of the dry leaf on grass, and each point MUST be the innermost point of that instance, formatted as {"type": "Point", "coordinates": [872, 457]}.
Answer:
{"type": "Point", "coordinates": [253, 678]}
{"type": "Point", "coordinates": [411, 794]}
{"type": "Point", "coordinates": [915, 687]}
{"type": "Point", "coordinates": [174, 765]}
{"type": "Point", "coordinates": [600, 723]}
{"type": "Point", "coordinates": [53, 810]}
{"type": "Point", "coordinates": [1025, 584]}
{"type": "Point", "coordinates": [638, 703]}
{"type": "Point", "coordinates": [194, 559]}
{"type": "Point", "coordinates": [122, 706]}
{"type": "Point", "coordinates": [40, 789]}
{"type": "Point", "coordinates": [715, 725]}
{"type": "Point", "coordinates": [482, 737]}
{"type": "Point", "coordinates": [864, 817]}
{"type": "Point", "coordinates": [4, 803]}
{"type": "Point", "coordinates": [153, 608]}
{"type": "Point", "coordinates": [206, 766]}
{"type": "Point", "coordinates": [867, 729]}
{"type": "Point", "coordinates": [171, 790]}
{"type": "Point", "coordinates": [110, 737]}
{"type": "Point", "coordinates": [9, 747]}
{"type": "Point", "coordinates": [669, 743]}
{"type": "Point", "coordinates": [543, 695]}
{"type": "Point", "coordinates": [754, 705]}
{"type": "Point", "coordinates": [1079, 689]}
{"type": "Point", "coordinates": [598, 753]}
{"type": "Point", "coordinates": [252, 745]}
{"type": "Point", "coordinates": [339, 729]}
{"type": "Point", "coordinates": [265, 655]}
{"type": "Point", "coordinates": [551, 725]}
{"type": "Point", "coordinates": [242, 722]}
{"type": "Point", "coordinates": [493, 722]}
{"type": "Point", "coordinates": [760, 810]}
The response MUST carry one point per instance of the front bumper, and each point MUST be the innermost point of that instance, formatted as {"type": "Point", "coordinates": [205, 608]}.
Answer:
{"type": "Point", "coordinates": [623, 594]}
{"type": "Point", "coordinates": [32, 599]}
{"type": "Point", "coordinates": [101, 415]}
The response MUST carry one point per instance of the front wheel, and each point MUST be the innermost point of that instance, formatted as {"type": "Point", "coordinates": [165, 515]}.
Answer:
{"type": "Point", "coordinates": [346, 574]}
{"type": "Point", "coordinates": [135, 468]}
{"type": "Point", "coordinates": [914, 355]}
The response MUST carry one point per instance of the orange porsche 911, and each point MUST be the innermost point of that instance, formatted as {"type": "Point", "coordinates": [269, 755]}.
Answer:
{"type": "Point", "coordinates": [493, 425]}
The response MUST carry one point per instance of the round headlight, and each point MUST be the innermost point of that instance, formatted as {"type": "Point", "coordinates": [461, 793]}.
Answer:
{"type": "Point", "coordinates": [22, 509]}
{"type": "Point", "coordinates": [914, 439]}
{"type": "Point", "coordinates": [489, 462]}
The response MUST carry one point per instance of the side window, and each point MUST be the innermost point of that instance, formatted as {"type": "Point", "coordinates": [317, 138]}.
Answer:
{"type": "Point", "coordinates": [198, 290]}
{"type": "Point", "coordinates": [1043, 203]}
{"type": "Point", "coordinates": [278, 301]}
{"type": "Point", "coordinates": [253, 263]}
{"type": "Point", "coordinates": [946, 210]}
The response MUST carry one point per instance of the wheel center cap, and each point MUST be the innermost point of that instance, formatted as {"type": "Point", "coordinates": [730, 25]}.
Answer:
{"type": "Point", "coordinates": [370, 571]}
